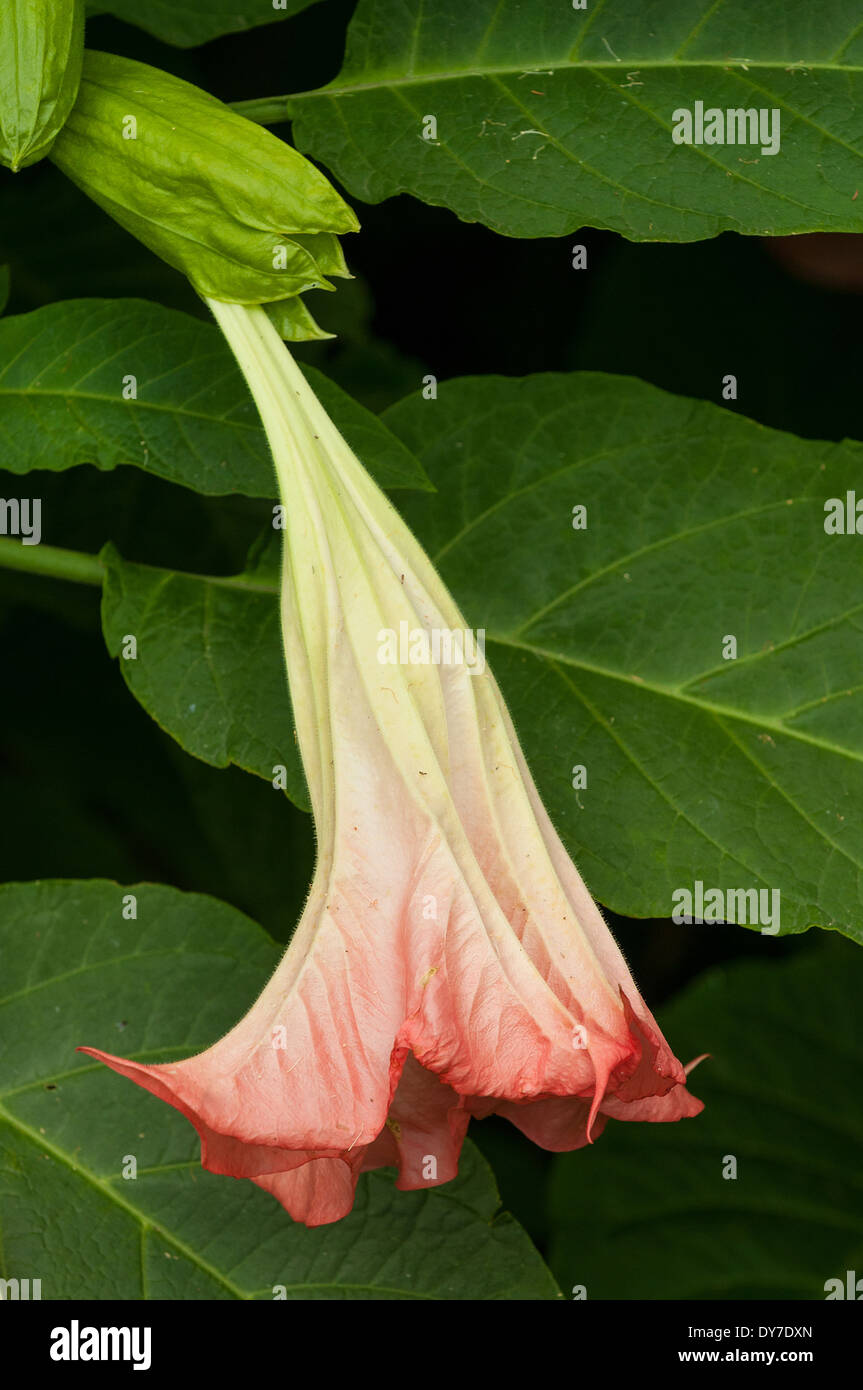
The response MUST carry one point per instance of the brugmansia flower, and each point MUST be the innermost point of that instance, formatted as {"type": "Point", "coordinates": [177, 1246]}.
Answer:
{"type": "Point", "coordinates": [450, 961]}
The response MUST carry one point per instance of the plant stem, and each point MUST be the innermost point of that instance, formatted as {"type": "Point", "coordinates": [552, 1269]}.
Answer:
{"type": "Point", "coordinates": [51, 561]}
{"type": "Point", "coordinates": [263, 110]}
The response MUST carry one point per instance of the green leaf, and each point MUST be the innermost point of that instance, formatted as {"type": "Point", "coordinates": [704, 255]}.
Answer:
{"type": "Point", "coordinates": [64, 370]}
{"type": "Point", "coordinates": [4, 287]}
{"type": "Point", "coordinates": [208, 663]}
{"type": "Point", "coordinates": [551, 118]}
{"type": "Point", "coordinates": [163, 986]}
{"type": "Point", "coordinates": [653, 1212]}
{"type": "Point", "coordinates": [608, 641]}
{"type": "Point", "coordinates": [187, 23]}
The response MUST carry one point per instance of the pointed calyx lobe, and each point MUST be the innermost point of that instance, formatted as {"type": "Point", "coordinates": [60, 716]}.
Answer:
{"type": "Point", "coordinates": [450, 961]}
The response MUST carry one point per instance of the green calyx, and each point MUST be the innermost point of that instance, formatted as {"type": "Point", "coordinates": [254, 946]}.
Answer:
{"type": "Point", "coordinates": [238, 211]}
{"type": "Point", "coordinates": [41, 49]}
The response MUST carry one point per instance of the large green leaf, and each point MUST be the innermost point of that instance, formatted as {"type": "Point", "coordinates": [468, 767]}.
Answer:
{"type": "Point", "coordinates": [162, 986]}
{"type": "Point", "coordinates": [654, 1212]}
{"type": "Point", "coordinates": [64, 370]}
{"type": "Point", "coordinates": [551, 118]}
{"type": "Point", "coordinates": [208, 663]}
{"type": "Point", "coordinates": [608, 641]}
{"type": "Point", "coordinates": [187, 23]}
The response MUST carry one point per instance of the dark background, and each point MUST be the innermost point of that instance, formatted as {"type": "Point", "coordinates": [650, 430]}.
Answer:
{"type": "Point", "coordinates": [90, 787]}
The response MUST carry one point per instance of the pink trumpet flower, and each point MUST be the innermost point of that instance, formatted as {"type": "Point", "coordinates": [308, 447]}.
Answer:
{"type": "Point", "coordinates": [450, 961]}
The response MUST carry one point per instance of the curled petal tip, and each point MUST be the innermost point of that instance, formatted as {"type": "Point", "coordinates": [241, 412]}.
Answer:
{"type": "Point", "coordinates": [696, 1062]}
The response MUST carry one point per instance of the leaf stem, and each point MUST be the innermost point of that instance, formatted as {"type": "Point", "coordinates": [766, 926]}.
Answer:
{"type": "Point", "coordinates": [52, 562]}
{"type": "Point", "coordinates": [263, 110]}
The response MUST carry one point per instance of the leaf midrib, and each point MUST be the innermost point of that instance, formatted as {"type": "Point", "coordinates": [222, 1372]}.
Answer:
{"type": "Point", "coordinates": [145, 1224]}
{"type": "Point", "coordinates": [103, 398]}
{"type": "Point", "coordinates": [674, 693]}
{"type": "Point", "coordinates": [40, 1141]}
{"type": "Point", "coordinates": [517, 70]}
